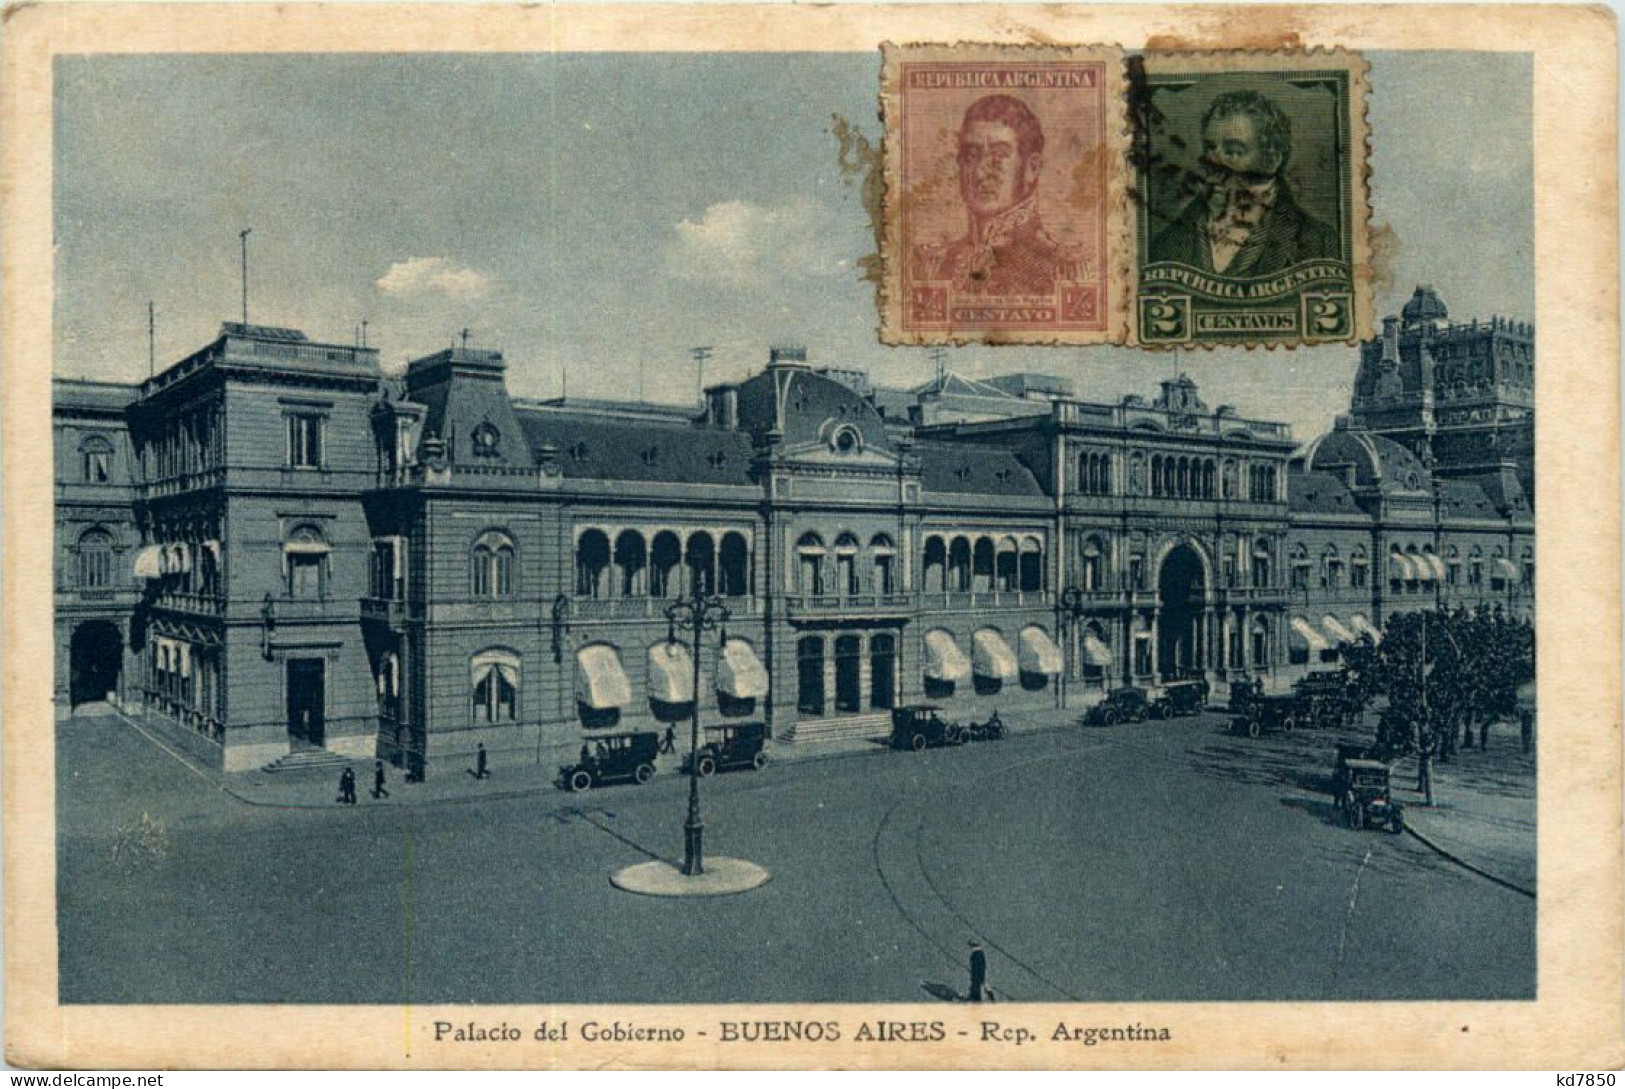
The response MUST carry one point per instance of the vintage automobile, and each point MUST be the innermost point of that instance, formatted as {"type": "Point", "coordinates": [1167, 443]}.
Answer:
{"type": "Point", "coordinates": [1127, 704]}
{"type": "Point", "coordinates": [1264, 713]}
{"type": "Point", "coordinates": [918, 726]}
{"type": "Point", "coordinates": [1325, 700]}
{"type": "Point", "coordinates": [736, 745]}
{"type": "Point", "coordinates": [612, 758]}
{"type": "Point", "coordinates": [1366, 799]}
{"type": "Point", "coordinates": [991, 730]}
{"type": "Point", "coordinates": [1242, 695]}
{"type": "Point", "coordinates": [1179, 698]}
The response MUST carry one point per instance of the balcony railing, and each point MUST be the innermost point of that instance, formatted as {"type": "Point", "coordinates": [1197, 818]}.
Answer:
{"type": "Point", "coordinates": [986, 599]}
{"type": "Point", "coordinates": [204, 604]}
{"type": "Point", "coordinates": [647, 608]}
{"type": "Point", "coordinates": [835, 605]}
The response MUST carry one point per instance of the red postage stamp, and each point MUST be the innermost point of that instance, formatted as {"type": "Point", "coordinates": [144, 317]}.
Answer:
{"type": "Point", "coordinates": [1003, 176]}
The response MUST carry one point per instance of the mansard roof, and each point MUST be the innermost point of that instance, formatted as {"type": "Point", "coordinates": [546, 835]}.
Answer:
{"type": "Point", "coordinates": [592, 446]}
{"type": "Point", "coordinates": [1377, 461]}
{"type": "Point", "coordinates": [1319, 493]}
{"type": "Point", "coordinates": [967, 469]}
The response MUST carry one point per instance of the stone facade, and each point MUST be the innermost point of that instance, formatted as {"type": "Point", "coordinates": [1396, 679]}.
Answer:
{"type": "Point", "coordinates": [269, 548]}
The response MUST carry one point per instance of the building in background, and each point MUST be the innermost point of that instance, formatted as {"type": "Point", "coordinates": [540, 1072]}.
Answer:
{"type": "Point", "coordinates": [274, 553]}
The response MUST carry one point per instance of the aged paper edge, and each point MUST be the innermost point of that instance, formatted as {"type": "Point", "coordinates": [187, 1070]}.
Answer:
{"type": "Point", "coordinates": [1119, 260]}
{"type": "Point", "coordinates": [1576, 1020]}
{"type": "Point", "coordinates": [1335, 59]}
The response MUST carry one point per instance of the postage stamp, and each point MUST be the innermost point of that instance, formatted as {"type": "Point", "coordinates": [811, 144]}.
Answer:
{"type": "Point", "coordinates": [1250, 197]}
{"type": "Point", "coordinates": [1004, 173]}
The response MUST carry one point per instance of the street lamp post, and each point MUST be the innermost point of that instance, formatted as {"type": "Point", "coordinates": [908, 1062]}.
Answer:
{"type": "Point", "coordinates": [700, 612]}
{"type": "Point", "coordinates": [1069, 607]}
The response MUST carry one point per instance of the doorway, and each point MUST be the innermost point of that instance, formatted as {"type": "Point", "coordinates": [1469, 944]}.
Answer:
{"type": "Point", "coordinates": [95, 657]}
{"type": "Point", "coordinates": [307, 702]}
{"type": "Point", "coordinates": [1181, 598]}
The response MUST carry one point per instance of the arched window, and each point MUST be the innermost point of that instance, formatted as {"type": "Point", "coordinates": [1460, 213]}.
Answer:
{"type": "Point", "coordinates": [665, 556]}
{"type": "Point", "coordinates": [810, 554]}
{"type": "Point", "coordinates": [936, 566]}
{"type": "Point", "coordinates": [1007, 565]}
{"type": "Point", "coordinates": [735, 565]}
{"type": "Point", "coordinates": [96, 460]}
{"type": "Point", "coordinates": [1475, 566]}
{"type": "Point", "coordinates": [883, 552]}
{"type": "Point", "coordinates": [1030, 577]}
{"type": "Point", "coordinates": [494, 685]}
{"type": "Point", "coordinates": [959, 565]}
{"type": "Point", "coordinates": [1331, 569]}
{"type": "Point", "coordinates": [701, 561]}
{"type": "Point", "coordinates": [846, 564]}
{"type": "Point", "coordinates": [305, 558]}
{"type": "Point", "coordinates": [631, 564]}
{"type": "Point", "coordinates": [592, 564]}
{"type": "Point", "coordinates": [1156, 475]}
{"type": "Point", "coordinates": [1300, 567]}
{"type": "Point", "coordinates": [982, 563]}
{"type": "Point", "coordinates": [1359, 569]}
{"type": "Point", "coordinates": [1263, 562]}
{"type": "Point", "coordinates": [1092, 566]}
{"type": "Point", "coordinates": [95, 560]}
{"type": "Point", "coordinates": [491, 565]}
{"type": "Point", "coordinates": [1452, 566]}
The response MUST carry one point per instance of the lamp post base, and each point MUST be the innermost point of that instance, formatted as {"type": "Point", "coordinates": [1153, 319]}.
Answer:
{"type": "Point", "coordinates": [724, 877]}
{"type": "Point", "coordinates": [693, 848]}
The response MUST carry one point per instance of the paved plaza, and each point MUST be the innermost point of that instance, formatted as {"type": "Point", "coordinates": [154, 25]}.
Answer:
{"type": "Point", "coordinates": [1162, 861]}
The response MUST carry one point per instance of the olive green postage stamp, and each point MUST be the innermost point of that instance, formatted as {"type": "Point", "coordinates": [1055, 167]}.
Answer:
{"type": "Point", "coordinates": [1249, 198]}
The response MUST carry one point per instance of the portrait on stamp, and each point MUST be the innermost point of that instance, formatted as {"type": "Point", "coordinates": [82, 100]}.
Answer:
{"type": "Point", "coordinates": [1250, 200]}
{"type": "Point", "coordinates": [1000, 166]}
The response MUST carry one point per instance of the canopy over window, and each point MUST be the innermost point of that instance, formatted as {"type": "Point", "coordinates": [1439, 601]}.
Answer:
{"type": "Point", "coordinates": [671, 673]}
{"type": "Point", "coordinates": [1404, 566]}
{"type": "Point", "coordinates": [992, 656]}
{"type": "Point", "coordinates": [148, 562]}
{"type": "Point", "coordinates": [1336, 629]}
{"type": "Point", "coordinates": [944, 660]}
{"type": "Point", "coordinates": [1098, 653]}
{"type": "Point", "coordinates": [1363, 625]}
{"type": "Point", "coordinates": [1507, 568]}
{"type": "Point", "coordinates": [601, 683]}
{"type": "Point", "coordinates": [740, 673]}
{"type": "Point", "coordinates": [1039, 654]}
{"type": "Point", "coordinates": [318, 548]}
{"type": "Point", "coordinates": [213, 549]}
{"type": "Point", "coordinates": [1432, 566]}
{"type": "Point", "coordinates": [504, 662]}
{"type": "Point", "coordinates": [1307, 630]}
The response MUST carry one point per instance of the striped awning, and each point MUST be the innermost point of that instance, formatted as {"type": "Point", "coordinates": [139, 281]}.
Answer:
{"type": "Point", "coordinates": [148, 562]}
{"type": "Point", "coordinates": [991, 656]}
{"type": "Point", "coordinates": [1039, 654]}
{"type": "Point", "coordinates": [1404, 567]}
{"type": "Point", "coordinates": [944, 661]}
{"type": "Point", "coordinates": [671, 673]}
{"type": "Point", "coordinates": [1363, 625]}
{"type": "Point", "coordinates": [1335, 628]}
{"type": "Point", "coordinates": [601, 683]}
{"type": "Point", "coordinates": [740, 673]}
{"type": "Point", "coordinates": [1432, 566]}
{"type": "Point", "coordinates": [1507, 568]}
{"type": "Point", "coordinates": [504, 663]}
{"type": "Point", "coordinates": [1098, 653]}
{"type": "Point", "coordinates": [1309, 635]}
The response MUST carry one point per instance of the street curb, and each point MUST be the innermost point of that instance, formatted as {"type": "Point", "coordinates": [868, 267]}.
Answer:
{"type": "Point", "coordinates": [1464, 864]}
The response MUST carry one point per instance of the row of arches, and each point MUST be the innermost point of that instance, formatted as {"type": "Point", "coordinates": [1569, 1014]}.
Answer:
{"type": "Point", "coordinates": [847, 568]}
{"type": "Point", "coordinates": [664, 566]}
{"type": "Point", "coordinates": [1183, 477]}
{"type": "Point", "coordinates": [963, 564]}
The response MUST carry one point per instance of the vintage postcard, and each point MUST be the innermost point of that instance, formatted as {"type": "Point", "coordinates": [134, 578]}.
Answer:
{"type": "Point", "coordinates": [1004, 180]}
{"type": "Point", "coordinates": [1250, 198]}
{"type": "Point", "coordinates": [480, 594]}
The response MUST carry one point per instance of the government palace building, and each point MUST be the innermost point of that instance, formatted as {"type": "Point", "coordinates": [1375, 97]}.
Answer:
{"type": "Point", "coordinates": [270, 548]}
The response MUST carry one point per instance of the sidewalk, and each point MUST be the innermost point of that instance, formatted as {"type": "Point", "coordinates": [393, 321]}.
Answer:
{"type": "Point", "coordinates": [1484, 808]}
{"type": "Point", "coordinates": [512, 773]}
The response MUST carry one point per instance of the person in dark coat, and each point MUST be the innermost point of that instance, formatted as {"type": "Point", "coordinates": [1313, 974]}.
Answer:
{"type": "Point", "coordinates": [669, 743]}
{"type": "Point", "coordinates": [481, 771]}
{"type": "Point", "coordinates": [347, 786]}
{"type": "Point", "coordinates": [378, 790]}
{"type": "Point", "coordinates": [978, 970]}
{"type": "Point", "coordinates": [1243, 220]}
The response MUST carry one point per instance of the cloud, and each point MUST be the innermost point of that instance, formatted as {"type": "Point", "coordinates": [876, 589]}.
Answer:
{"type": "Point", "coordinates": [739, 244]}
{"type": "Point", "coordinates": [434, 275]}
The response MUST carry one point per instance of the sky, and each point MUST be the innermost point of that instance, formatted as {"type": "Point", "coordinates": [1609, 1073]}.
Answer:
{"type": "Point", "coordinates": [596, 216]}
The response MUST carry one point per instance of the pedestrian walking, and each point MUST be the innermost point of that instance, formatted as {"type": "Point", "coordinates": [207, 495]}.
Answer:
{"type": "Point", "coordinates": [347, 787]}
{"type": "Point", "coordinates": [978, 970]}
{"type": "Point", "coordinates": [378, 790]}
{"type": "Point", "coordinates": [669, 744]}
{"type": "Point", "coordinates": [480, 770]}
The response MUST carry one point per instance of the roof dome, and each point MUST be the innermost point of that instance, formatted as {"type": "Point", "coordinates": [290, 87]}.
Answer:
{"type": "Point", "coordinates": [1376, 461]}
{"type": "Point", "coordinates": [1425, 306]}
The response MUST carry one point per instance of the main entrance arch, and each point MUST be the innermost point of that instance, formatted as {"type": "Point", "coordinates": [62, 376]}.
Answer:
{"type": "Point", "coordinates": [1181, 598]}
{"type": "Point", "coordinates": [95, 657]}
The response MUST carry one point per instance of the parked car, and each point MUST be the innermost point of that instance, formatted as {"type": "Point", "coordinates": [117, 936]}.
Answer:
{"type": "Point", "coordinates": [612, 758]}
{"type": "Point", "coordinates": [1366, 799]}
{"type": "Point", "coordinates": [1325, 699]}
{"type": "Point", "coordinates": [1179, 698]}
{"type": "Point", "coordinates": [1266, 713]}
{"type": "Point", "coordinates": [1126, 704]}
{"type": "Point", "coordinates": [736, 745]}
{"type": "Point", "coordinates": [918, 726]}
